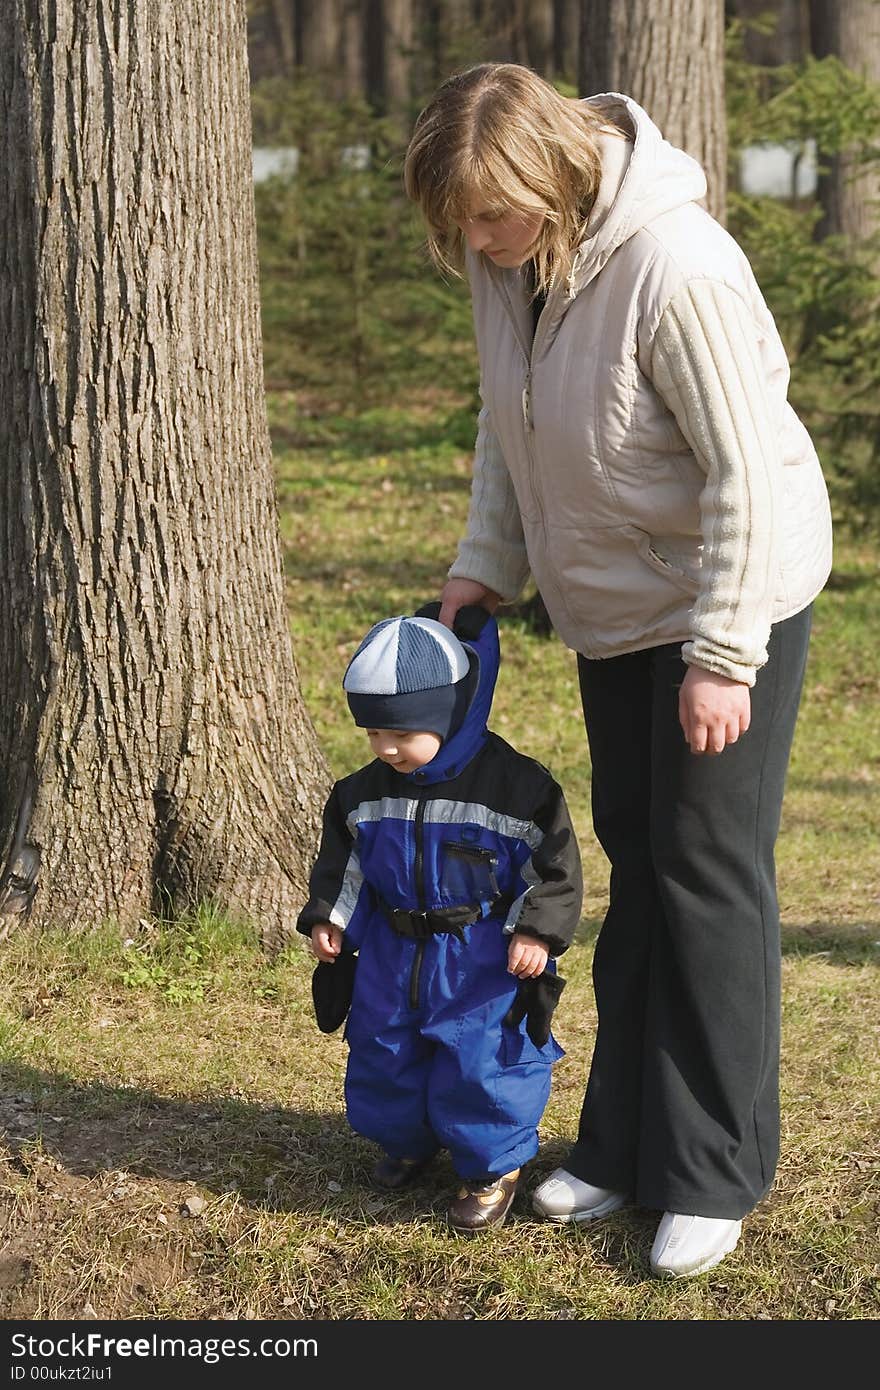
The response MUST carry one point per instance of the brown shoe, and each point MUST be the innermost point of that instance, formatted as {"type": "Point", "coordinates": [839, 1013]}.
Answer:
{"type": "Point", "coordinates": [392, 1173]}
{"type": "Point", "coordinates": [480, 1206]}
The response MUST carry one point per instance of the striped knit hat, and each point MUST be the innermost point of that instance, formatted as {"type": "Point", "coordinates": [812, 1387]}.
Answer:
{"type": "Point", "coordinates": [408, 673]}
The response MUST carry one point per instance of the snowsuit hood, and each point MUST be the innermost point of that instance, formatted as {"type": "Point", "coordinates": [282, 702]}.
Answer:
{"type": "Point", "coordinates": [477, 631]}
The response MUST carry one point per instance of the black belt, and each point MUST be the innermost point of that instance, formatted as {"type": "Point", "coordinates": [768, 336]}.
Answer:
{"type": "Point", "coordinates": [422, 925]}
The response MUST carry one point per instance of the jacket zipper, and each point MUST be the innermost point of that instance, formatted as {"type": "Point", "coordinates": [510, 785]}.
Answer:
{"type": "Point", "coordinates": [418, 871]}
{"type": "Point", "coordinates": [528, 424]}
{"type": "Point", "coordinates": [526, 399]}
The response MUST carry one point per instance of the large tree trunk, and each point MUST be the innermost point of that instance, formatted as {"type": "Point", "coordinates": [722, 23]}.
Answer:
{"type": "Point", "coordinates": [848, 191]}
{"type": "Point", "coordinates": [154, 746]}
{"type": "Point", "coordinates": [669, 56]}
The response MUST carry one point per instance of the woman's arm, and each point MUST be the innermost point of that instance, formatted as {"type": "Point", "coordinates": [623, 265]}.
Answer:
{"type": "Point", "coordinates": [706, 366]}
{"type": "Point", "coordinates": [491, 558]}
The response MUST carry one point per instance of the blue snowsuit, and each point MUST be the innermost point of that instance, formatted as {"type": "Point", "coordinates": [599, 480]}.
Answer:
{"type": "Point", "coordinates": [484, 829]}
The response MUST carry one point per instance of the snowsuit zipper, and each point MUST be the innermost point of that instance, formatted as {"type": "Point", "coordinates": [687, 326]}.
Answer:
{"type": "Point", "coordinates": [418, 872]}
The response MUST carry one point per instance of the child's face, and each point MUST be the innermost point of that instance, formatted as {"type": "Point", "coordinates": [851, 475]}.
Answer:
{"type": "Point", "coordinates": [404, 749]}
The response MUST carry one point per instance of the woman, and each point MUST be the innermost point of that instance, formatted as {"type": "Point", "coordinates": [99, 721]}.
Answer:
{"type": "Point", "coordinates": [636, 453]}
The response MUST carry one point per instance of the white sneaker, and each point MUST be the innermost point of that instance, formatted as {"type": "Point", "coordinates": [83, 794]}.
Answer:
{"type": "Point", "coordinates": [563, 1197]}
{"type": "Point", "coordinates": [688, 1245]}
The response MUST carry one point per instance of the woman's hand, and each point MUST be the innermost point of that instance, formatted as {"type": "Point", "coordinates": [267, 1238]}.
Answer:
{"type": "Point", "coordinates": [458, 593]}
{"type": "Point", "coordinates": [526, 956]}
{"type": "Point", "coordinates": [326, 941]}
{"type": "Point", "coordinates": [713, 710]}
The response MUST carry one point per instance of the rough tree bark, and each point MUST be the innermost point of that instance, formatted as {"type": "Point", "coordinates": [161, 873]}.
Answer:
{"type": "Point", "coordinates": [849, 192]}
{"type": "Point", "coordinates": [669, 56]}
{"type": "Point", "coordinates": [155, 750]}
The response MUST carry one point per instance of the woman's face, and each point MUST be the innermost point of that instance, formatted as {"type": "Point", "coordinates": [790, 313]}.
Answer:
{"type": "Point", "coordinates": [507, 240]}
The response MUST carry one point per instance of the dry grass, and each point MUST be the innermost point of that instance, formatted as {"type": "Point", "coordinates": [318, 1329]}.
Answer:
{"type": "Point", "coordinates": [186, 1065]}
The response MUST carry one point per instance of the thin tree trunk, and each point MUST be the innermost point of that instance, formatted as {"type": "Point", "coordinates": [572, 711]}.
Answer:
{"type": "Point", "coordinates": [448, 35]}
{"type": "Point", "coordinates": [503, 20]}
{"type": "Point", "coordinates": [154, 746]}
{"type": "Point", "coordinates": [786, 41]}
{"type": "Point", "coordinates": [537, 26]}
{"type": "Point", "coordinates": [353, 73]}
{"type": "Point", "coordinates": [565, 39]}
{"type": "Point", "coordinates": [321, 42]}
{"type": "Point", "coordinates": [669, 56]}
{"type": "Point", "coordinates": [374, 53]}
{"type": "Point", "coordinates": [848, 191]}
{"type": "Point", "coordinates": [398, 59]}
{"type": "Point", "coordinates": [285, 31]}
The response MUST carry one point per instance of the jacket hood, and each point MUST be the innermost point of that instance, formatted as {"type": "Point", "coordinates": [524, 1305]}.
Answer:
{"type": "Point", "coordinates": [477, 631]}
{"type": "Point", "coordinates": [643, 176]}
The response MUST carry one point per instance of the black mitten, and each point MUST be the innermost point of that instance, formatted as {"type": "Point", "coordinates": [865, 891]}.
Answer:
{"type": "Point", "coordinates": [332, 988]}
{"type": "Point", "coordinates": [535, 1001]}
{"type": "Point", "coordinates": [468, 623]}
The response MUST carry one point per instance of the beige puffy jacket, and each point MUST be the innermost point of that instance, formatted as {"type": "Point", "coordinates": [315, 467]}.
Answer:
{"type": "Point", "coordinates": [640, 456]}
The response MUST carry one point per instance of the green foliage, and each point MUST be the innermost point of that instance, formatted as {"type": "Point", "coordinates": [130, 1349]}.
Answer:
{"type": "Point", "coordinates": [819, 99]}
{"type": "Point", "coordinates": [823, 293]}
{"type": "Point", "coordinates": [180, 959]}
{"type": "Point", "coordinates": [354, 308]}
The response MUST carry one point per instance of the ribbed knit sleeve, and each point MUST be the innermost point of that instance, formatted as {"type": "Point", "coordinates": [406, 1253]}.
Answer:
{"type": "Point", "coordinates": [706, 365]}
{"type": "Point", "coordinates": [493, 551]}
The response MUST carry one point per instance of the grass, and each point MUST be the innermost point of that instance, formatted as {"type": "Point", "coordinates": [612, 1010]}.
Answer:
{"type": "Point", "coordinates": [175, 1143]}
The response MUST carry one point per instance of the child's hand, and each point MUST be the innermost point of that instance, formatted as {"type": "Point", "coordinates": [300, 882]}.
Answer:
{"type": "Point", "coordinates": [526, 956]}
{"type": "Point", "coordinates": [326, 941]}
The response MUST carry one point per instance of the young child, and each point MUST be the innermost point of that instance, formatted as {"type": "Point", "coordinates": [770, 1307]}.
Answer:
{"type": "Point", "coordinates": [450, 865]}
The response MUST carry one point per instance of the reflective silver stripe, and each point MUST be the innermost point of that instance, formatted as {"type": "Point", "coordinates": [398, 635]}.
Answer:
{"type": "Point", "coordinates": [527, 871]}
{"type": "Point", "coordinates": [513, 915]}
{"type": "Point", "coordinates": [389, 808]}
{"type": "Point", "coordinates": [342, 910]}
{"type": "Point", "coordinates": [439, 812]}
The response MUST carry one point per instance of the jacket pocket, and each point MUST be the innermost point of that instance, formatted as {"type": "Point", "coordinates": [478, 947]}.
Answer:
{"type": "Point", "coordinates": [671, 568]}
{"type": "Point", "coordinates": [467, 874]}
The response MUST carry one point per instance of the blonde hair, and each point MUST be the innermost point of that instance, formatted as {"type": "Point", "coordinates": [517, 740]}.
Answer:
{"type": "Point", "coordinates": [499, 138]}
